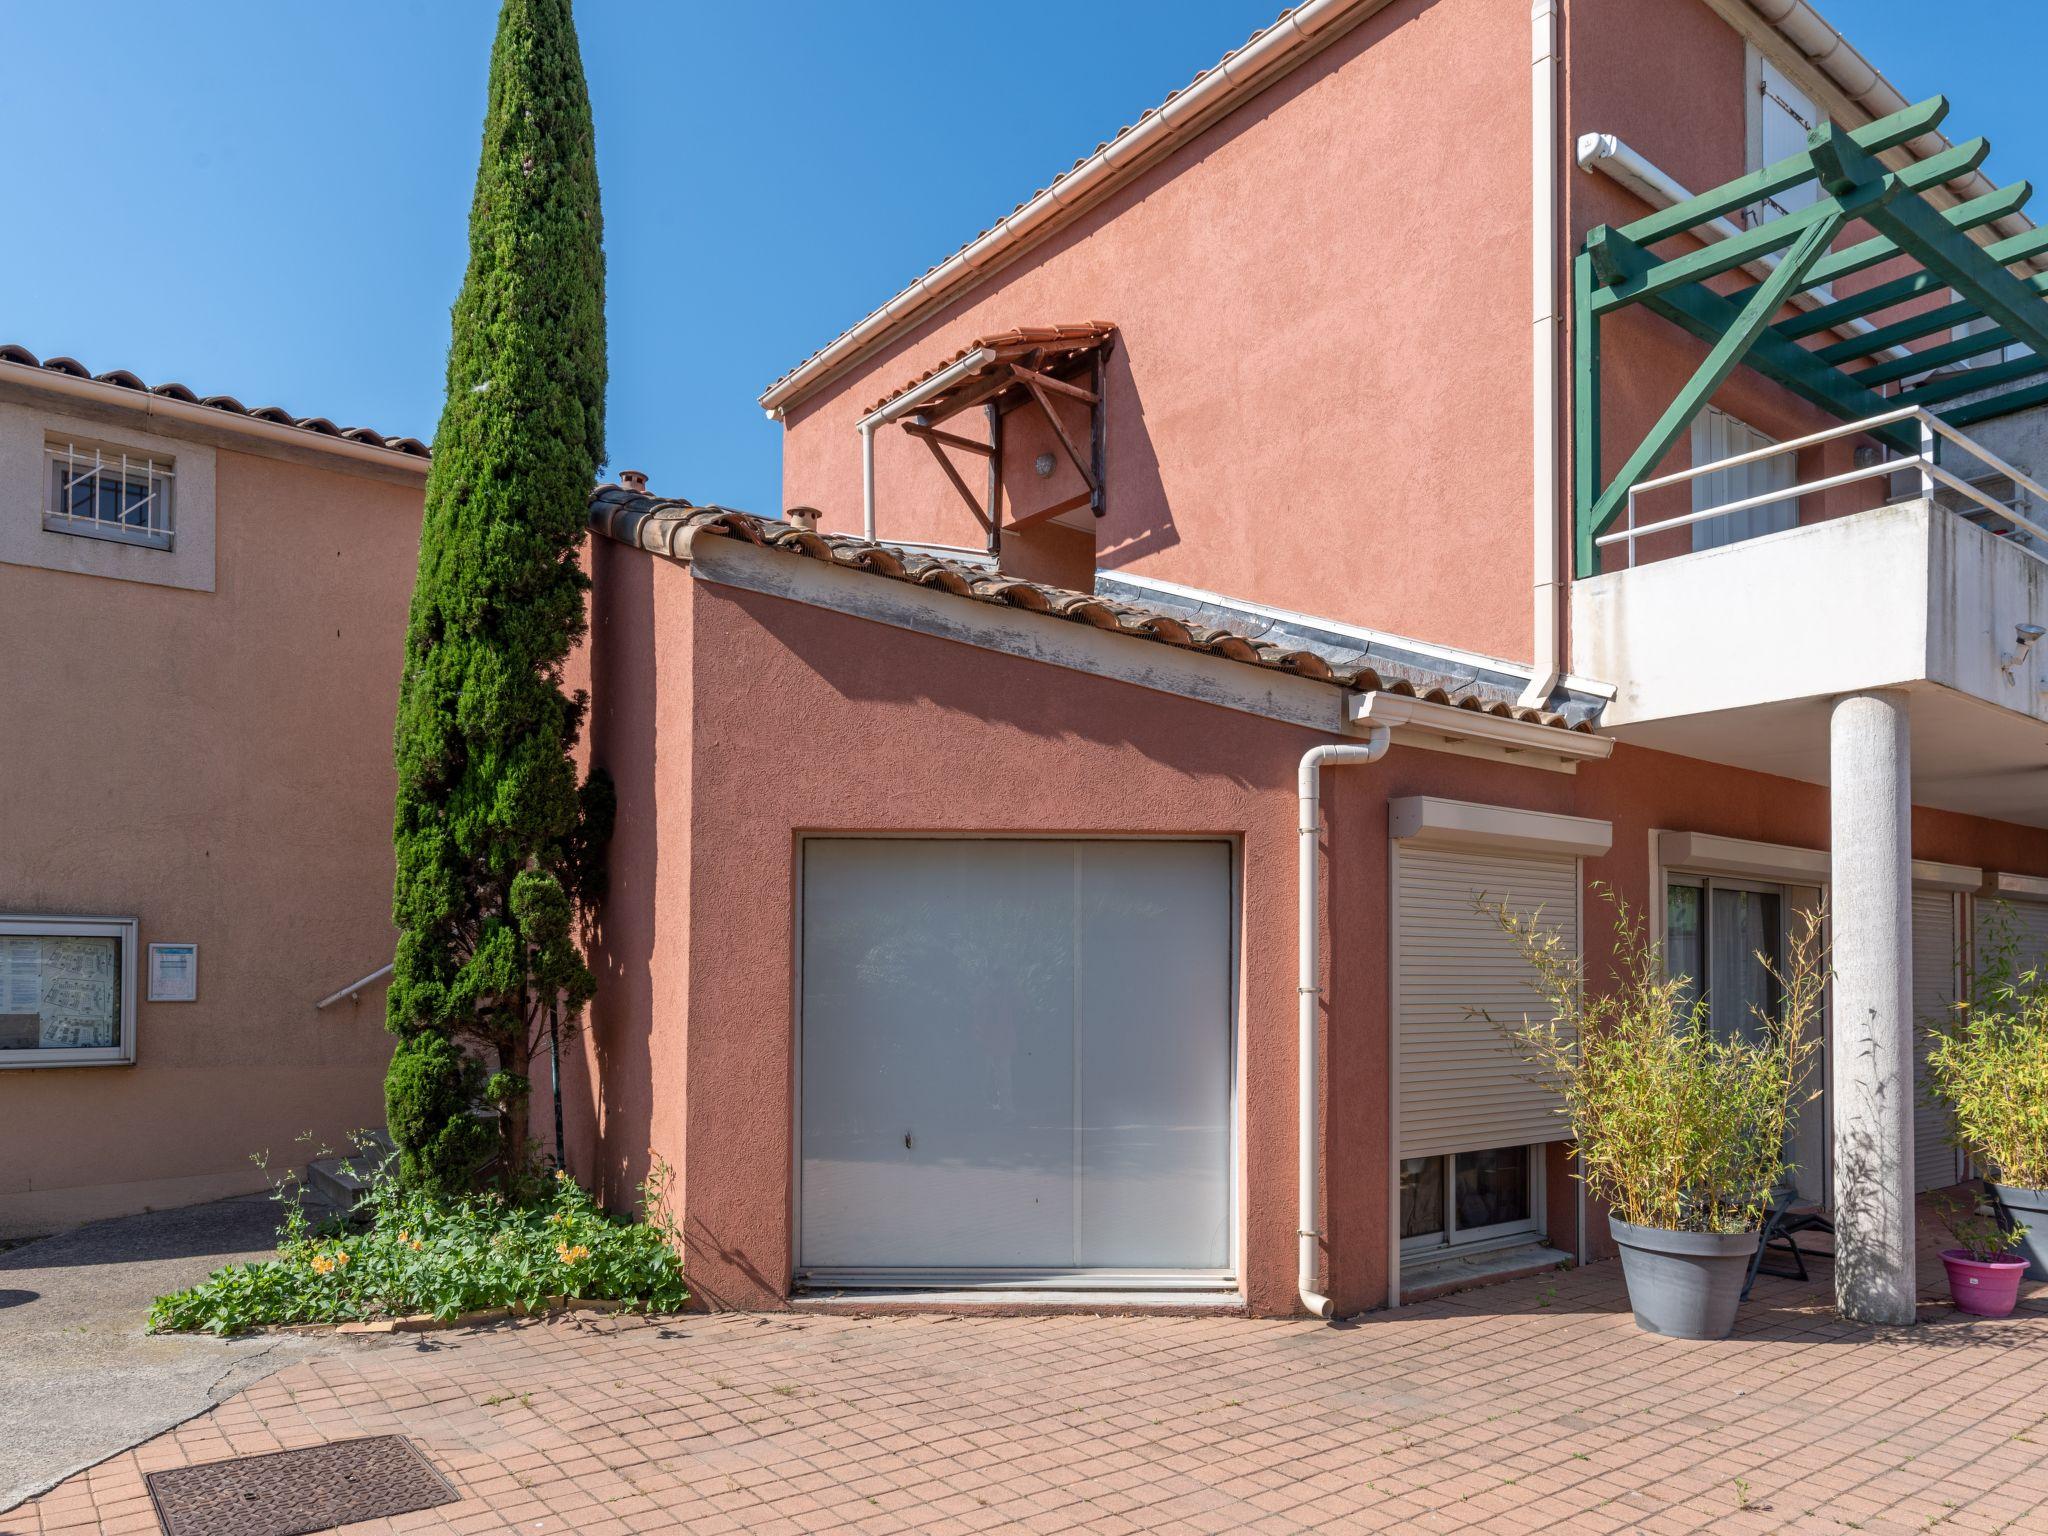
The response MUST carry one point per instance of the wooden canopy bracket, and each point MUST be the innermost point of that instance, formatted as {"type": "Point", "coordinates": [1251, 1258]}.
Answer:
{"type": "Point", "coordinates": [1036, 372]}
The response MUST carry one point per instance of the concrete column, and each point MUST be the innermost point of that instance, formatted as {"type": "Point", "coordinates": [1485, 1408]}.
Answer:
{"type": "Point", "coordinates": [1871, 811]}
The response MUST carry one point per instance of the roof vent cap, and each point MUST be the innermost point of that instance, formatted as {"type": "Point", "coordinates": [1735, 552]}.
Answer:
{"type": "Point", "coordinates": [634, 480]}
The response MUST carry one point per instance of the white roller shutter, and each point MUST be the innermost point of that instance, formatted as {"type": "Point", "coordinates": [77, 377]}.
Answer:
{"type": "Point", "coordinates": [1934, 991]}
{"type": "Point", "coordinates": [1461, 1087]}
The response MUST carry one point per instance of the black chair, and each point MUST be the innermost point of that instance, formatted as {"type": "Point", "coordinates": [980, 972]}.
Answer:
{"type": "Point", "coordinates": [1786, 1220]}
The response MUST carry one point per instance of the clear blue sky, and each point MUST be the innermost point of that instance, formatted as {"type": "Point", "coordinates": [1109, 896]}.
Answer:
{"type": "Point", "coordinates": [269, 200]}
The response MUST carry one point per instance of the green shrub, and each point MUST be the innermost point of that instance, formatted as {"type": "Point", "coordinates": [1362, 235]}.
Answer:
{"type": "Point", "coordinates": [428, 1090]}
{"type": "Point", "coordinates": [1988, 1066]}
{"type": "Point", "coordinates": [1978, 1235]}
{"type": "Point", "coordinates": [412, 1250]}
{"type": "Point", "coordinates": [1674, 1126]}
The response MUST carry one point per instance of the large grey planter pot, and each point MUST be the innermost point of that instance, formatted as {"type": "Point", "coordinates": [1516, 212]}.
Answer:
{"type": "Point", "coordinates": [1684, 1285]}
{"type": "Point", "coordinates": [2029, 1208]}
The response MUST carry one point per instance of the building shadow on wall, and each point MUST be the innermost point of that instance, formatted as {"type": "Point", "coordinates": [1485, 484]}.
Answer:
{"type": "Point", "coordinates": [1138, 520]}
{"type": "Point", "coordinates": [1180, 735]}
{"type": "Point", "coordinates": [609, 1119]}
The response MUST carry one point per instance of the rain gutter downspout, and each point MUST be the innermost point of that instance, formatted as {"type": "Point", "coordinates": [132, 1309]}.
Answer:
{"type": "Point", "coordinates": [1543, 139]}
{"type": "Point", "coordinates": [1308, 986]}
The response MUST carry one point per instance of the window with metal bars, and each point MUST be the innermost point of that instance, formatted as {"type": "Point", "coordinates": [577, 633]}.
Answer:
{"type": "Point", "coordinates": [101, 492]}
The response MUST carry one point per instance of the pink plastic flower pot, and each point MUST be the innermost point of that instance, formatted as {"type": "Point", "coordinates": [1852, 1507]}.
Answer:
{"type": "Point", "coordinates": [1985, 1288]}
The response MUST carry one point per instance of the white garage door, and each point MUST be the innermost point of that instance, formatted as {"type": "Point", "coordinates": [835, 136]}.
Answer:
{"type": "Point", "coordinates": [1016, 1061]}
{"type": "Point", "coordinates": [1935, 973]}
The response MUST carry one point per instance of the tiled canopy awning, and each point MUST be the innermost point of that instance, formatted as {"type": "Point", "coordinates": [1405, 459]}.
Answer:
{"type": "Point", "coordinates": [1029, 366]}
{"type": "Point", "coordinates": [1050, 349]}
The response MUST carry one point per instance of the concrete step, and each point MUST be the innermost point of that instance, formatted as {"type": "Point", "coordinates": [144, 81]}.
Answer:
{"type": "Point", "coordinates": [339, 1182]}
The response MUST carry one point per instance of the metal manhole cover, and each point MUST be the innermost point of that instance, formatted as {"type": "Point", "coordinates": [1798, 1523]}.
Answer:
{"type": "Point", "coordinates": [294, 1493]}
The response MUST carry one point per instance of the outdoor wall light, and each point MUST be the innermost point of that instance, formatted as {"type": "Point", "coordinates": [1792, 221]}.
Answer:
{"type": "Point", "coordinates": [2028, 635]}
{"type": "Point", "coordinates": [1042, 465]}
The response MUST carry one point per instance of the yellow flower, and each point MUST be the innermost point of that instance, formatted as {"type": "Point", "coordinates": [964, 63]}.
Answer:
{"type": "Point", "coordinates": [561, 1175]}
{"type": "Point", "coordinates": [340, 1256]}
{"type": "Point", "coordinates": [404, 1236]}
{"type": "Point", "coordinates": [417, 1245]}
{"type": "Point", "coordinates": [569, 1255]}
{"type": "Point", "coordinates": [322, 1265]}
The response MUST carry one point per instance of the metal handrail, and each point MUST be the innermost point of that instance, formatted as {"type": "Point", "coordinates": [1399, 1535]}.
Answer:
{"type": "Point", "coordinates": [1931, 474]}
{"type": "Point", "coordinates": [353, 991]}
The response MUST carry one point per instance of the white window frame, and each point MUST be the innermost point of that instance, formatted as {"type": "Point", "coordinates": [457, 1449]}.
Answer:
{"type": "Point", "coordinates": [78, 457]}
{"type": "Point", "coordinates": [123, 929]}
{"type": "Point", "coordinates": [1455, 1238]}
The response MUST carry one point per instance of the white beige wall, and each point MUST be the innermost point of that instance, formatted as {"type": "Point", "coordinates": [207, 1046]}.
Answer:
{"type": "Point", "coordinates": [216, 764]}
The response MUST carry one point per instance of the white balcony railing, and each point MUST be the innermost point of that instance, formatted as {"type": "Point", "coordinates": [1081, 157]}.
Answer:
{"type": "Point", "coordinates": [2024, 516]}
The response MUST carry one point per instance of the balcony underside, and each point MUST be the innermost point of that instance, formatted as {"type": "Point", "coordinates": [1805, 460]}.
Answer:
{"type": "Point", "coordinates": [1732, 655]}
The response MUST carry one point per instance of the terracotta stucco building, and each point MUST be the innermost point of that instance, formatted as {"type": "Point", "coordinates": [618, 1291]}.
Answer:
{"type": "Point", "coordinates": [957, 900]}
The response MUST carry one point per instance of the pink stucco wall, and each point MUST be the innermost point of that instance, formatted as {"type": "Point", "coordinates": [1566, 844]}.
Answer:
{"type": "Point", "coordinates": [773, 720]}
{"type": "Point", "coordinates": [1319, 397]}
{"type": "Point", "coordinates": [217, 765]}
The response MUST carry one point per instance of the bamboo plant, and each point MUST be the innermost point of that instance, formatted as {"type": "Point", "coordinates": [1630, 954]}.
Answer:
{"type": "Point", "coordinates": [1674, 1125]}
{"type": "Point", "coordinates": [1988, 1065]}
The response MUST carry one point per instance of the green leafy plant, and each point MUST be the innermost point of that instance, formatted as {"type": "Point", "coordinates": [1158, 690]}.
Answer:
{"type": "Point", "coordinates": [496, 841]}
{"type": "Point", "coordinates": [1978, 1235]}
{"type": "Point", "coordinates": [1988, 1065]}
{"type": "Point", "coordinates": [411, 1250]}
{"type": "Point", "coordinates": [1675, 1126]}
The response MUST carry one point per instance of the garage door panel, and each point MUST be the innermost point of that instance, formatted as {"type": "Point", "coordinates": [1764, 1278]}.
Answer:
{"type": "Point", "coordinates": [1016, 1055]}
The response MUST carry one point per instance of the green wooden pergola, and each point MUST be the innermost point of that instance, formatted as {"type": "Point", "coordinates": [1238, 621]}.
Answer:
{"type": "Point", "coordinates": [1844, 376]}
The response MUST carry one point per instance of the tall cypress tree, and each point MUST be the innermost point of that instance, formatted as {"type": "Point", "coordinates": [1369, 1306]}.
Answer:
{"type": "Point", "coordinates": [494, 835]}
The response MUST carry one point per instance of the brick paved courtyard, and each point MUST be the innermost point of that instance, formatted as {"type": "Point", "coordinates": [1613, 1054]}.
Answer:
{"type": "Point", "coordinates": [1526, 1407]}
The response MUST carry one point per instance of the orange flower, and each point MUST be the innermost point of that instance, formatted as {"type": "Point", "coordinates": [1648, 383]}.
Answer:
{"type": "Point", "coordinates": [322, 1265]}
{"type": "Point", "coordinates": [569, 1255]}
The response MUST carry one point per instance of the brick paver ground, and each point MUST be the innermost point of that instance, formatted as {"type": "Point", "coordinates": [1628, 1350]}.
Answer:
{"type": "Point", "coordinates": [1535, 1406]}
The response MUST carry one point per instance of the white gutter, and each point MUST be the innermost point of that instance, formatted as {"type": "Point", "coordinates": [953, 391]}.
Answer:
{"type": "Point", "coordinates": [1308, 987]}
{"type": "Point", "coordinates": [1616, 159]}
{"type": "Point", "coordinates": [1548, 640]}
{"type": "Point", "coordinates": [889, 410]}
{"type": "Point", "coordinates": [169, 408]}
{"type": "Point", "coordinates": [1399, 712]}
{"type": "Point", "coordinates": [1251, 68]}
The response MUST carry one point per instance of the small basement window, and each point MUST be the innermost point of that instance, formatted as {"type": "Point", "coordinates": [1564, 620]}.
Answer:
{"type": "Point", "coordinates": [67, 991]}
{"type": "Point", "coordinates": [99, 491]}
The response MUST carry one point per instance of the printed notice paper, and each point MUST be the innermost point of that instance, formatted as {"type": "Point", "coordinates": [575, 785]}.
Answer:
{"type": "Point", "coordinates": [173, 973]}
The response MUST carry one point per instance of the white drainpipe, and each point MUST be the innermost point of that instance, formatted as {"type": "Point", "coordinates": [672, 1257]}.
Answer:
{"type": "Point", "coordinates": [901, 405]}
{"type": "Point", "coordinates": [1543, 142]}
{"type": "Point", "coordinates": [1308, 986]}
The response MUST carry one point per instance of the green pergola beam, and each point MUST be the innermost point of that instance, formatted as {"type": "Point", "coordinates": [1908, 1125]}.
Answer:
{"type": "Point", "coordinates": [1965, 217]}
{"type": "Point", "coordinates": [1926, 360]}
{"type": "Point", "coordinates": [1706, 314]}
{"type": "Point", "coordinates": [1970, 380]}
{"type": "Point", "coordinates": [1750, 322]}
{"type": "Point", "coordinates": [1739, 250]}
{"type": "Point", "coordinates": [1901, 127]}
{"type": "Point", "coordinates": [1999, 405]}
{"type": "Point", "coordinates": [1878, 248]}
{"type": "Point", "coordinates": [1926, 323]}
{"type": "Point", "coordinates": [1922, 233]}
{"type": "Point", "coordinates": [1977, 278]}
